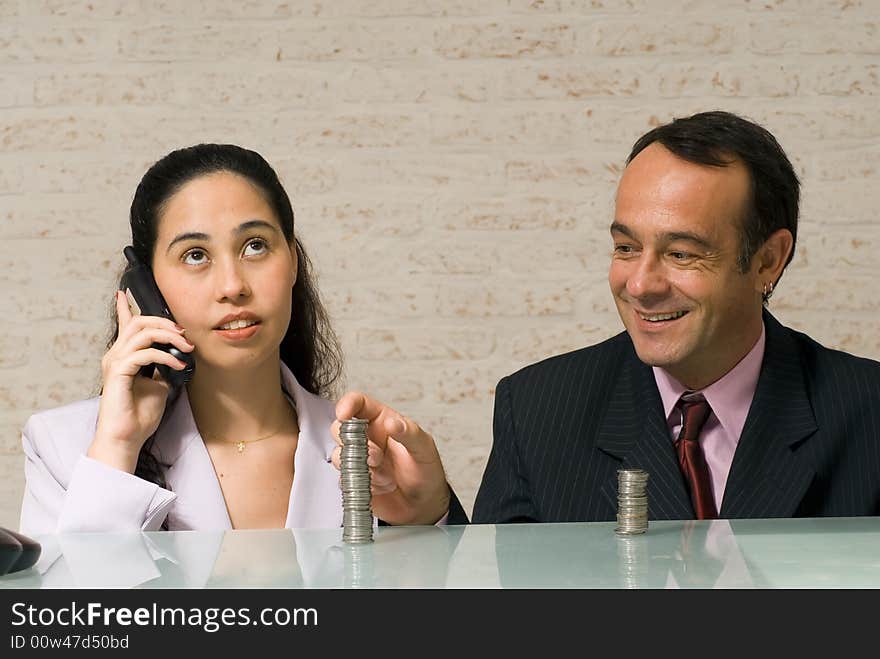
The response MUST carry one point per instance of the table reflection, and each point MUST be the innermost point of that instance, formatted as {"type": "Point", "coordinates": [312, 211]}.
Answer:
{"type": "Point", "coordinates": [297, 558]}
{"type": "Point", "coordinates": [836, 552]}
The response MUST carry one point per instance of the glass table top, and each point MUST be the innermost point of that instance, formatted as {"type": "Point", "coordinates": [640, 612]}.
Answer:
{"type": "Point", "coordinates": [770, 553]}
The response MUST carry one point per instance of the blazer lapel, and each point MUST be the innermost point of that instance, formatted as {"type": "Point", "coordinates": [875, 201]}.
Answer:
{"type": "Point", "coordinates": [316, 497]}
{"type": "Point", "coordinates": [200, 503]}
{"type": "Point", "coordinates": [768, 476]}
{"type": "Point", "coordinates": [634, 431]}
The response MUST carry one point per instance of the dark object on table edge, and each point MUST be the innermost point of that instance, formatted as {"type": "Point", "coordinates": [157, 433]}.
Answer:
{"type": "Point", "coordinates": [17, 552]}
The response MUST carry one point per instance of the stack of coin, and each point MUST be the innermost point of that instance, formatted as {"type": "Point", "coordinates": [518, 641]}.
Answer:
{"type": "Point", "coordinates": [357, 516]}
{"type": "Point", "coordinates": [632, 501]}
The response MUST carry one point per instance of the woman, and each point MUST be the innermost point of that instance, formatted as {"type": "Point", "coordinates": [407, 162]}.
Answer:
{"type": "Point", "coordinates": [246, 443]}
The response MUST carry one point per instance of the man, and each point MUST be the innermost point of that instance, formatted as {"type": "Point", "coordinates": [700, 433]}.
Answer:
{"type": "Point", "coordinates": [732, 414]}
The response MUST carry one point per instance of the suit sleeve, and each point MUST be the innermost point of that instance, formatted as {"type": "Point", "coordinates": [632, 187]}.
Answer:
{"type": "Point", "coordinates": [85, 496]}
{"type": "Point", "coordinates": [456, 514]}
{"type": "Point", "coordinates": [504, 494]}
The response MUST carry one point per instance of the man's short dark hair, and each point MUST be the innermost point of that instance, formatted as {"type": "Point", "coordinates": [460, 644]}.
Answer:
{"type": "Point", "coordinates": [719, 139]}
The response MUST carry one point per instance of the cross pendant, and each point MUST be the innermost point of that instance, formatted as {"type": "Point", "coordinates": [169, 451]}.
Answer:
{"type": "Point", "coordinates": [240, 446]}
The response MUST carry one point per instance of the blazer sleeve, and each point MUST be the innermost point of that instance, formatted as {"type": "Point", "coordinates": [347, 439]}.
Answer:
{"type": "Point", "coordinates": [504, 494]}
{"type": "Point", "coordinates": [68, 492]}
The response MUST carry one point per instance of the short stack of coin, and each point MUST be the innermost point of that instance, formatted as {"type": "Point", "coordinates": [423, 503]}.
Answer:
{"type": "Point", "coordinates": [632, 501]}
{"type": "Point", "coordinates": [357, 515]}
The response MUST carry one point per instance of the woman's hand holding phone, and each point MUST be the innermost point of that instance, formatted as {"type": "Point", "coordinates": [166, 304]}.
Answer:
{"type": "Point", "coordinates": [131, 406]}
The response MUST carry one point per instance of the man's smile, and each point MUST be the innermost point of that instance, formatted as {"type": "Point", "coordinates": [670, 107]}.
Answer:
{"type": "Point", "coordinates": [657, 317]}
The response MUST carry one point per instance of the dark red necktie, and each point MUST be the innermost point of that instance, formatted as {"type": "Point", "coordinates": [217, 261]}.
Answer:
{"type": "Point", "coordinates": [694, 412]}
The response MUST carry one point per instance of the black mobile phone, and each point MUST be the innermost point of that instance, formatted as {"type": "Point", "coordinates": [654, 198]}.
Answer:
{"type": "Point", "coordinates": [144, 298]}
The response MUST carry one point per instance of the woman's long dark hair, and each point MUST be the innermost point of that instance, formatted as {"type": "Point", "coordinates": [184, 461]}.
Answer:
{"type": "Point", "coordinates": [309, 348]}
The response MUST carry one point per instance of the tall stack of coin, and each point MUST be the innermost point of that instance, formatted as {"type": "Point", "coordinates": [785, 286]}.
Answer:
{"type": "Point", "coordinates": [632, 501]}
{"type": "Point", "coordinates": [357, 516]}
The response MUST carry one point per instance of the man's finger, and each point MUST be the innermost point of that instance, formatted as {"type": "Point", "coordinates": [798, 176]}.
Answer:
{"type": "Point", "coordinates": [377, 490]}
{"type": "Point", "coordinates": [355, 404]}
{"type": "Point", "coordinates": [381, 483]}
{"type": "Point", "coordinates": [375, 455]}
{"type": "Point", "coordinates": [418, 443]}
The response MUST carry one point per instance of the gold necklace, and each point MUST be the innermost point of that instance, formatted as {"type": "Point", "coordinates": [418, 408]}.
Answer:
{"type": "Point", "coordinates": [241, 443]}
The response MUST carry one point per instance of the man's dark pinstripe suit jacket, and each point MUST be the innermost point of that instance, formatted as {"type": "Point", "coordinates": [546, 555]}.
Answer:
{"type": "Point", "coordinates": [563, 427]}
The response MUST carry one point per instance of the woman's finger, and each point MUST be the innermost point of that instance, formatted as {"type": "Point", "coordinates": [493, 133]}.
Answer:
{"type": "Point", "coordinates": [123, 313]}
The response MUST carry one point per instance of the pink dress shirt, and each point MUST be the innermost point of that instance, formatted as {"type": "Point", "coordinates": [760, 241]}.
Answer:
{"type": "Point", "coordinates": [730, 399]}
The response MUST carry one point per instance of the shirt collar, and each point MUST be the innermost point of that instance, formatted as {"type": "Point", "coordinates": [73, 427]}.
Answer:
{"type": "Point", "coordinates": [729, 397]}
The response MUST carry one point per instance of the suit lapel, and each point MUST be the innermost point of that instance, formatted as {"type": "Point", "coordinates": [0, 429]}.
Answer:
{"type": "Point", "coordinates": [769, 476]}
{"type": "Point", "coordinates": [634, 431]}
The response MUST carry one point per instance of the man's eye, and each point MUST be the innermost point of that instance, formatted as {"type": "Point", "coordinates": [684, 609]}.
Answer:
{"type": "Point", "coordinates": [681, 256]}
{"type": "Point", "coordinates": [195, 257]}
{"type": "Point", "coordinates": [623, 249]}
{"type": "Point", "coordinates": [255, 247]}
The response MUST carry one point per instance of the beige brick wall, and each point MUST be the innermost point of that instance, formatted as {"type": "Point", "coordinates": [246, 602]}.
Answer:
{"type": "Point", "coordinates": [452, 165]}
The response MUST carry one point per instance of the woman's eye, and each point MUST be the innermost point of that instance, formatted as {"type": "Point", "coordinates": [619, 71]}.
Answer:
{"type": "Point", "coordinates": [255, 247]}
{"type": "Point", "coordinates": [195, 257]}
